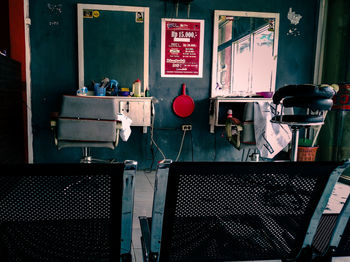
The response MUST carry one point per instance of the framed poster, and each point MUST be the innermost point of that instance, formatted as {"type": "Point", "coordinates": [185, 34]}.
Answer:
{"type": "Point", "coordinates": [182, 48]}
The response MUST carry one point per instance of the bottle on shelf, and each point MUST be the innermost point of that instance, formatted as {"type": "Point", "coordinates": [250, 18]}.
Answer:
{"type": "Point", "coordinates": [136, 88]}
{"type": "Point", "coordinates": [233, 128]}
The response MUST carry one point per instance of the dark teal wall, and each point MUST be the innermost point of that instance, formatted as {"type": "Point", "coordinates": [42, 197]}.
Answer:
{"type": "Point", "coordinates": [54, 69]}
{"type": "Point", "coordinates": [337, 46]}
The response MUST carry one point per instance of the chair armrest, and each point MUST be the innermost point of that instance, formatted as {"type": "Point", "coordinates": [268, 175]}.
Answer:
{"type": "Point", "coordinates": [118, 127]}
{"type": "Point", "coordinates": [53, 125]}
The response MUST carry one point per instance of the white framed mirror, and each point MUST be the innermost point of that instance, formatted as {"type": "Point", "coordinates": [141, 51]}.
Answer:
{"type": "Point", "coordinates": [113, 42]}
{"type": "Point", "coordinates": [245, 46]}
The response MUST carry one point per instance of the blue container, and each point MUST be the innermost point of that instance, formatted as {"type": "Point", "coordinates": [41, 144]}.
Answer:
{"type": "Point", "coordinates": [99, 91]}
{"type": "Point", "coordinates": [123, 93]}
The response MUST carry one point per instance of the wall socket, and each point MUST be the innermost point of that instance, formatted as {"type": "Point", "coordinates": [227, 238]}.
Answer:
{"type": "Point", "coordinates": [186, 127]}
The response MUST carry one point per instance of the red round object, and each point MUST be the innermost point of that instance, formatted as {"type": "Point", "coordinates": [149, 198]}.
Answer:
{"type": "Point", "coordinates": [183, 105]}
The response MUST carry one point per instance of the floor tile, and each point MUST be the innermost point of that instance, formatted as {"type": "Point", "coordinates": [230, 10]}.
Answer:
{"type": "Point", "coordinates": [138, 255]}
{"type": "Point", "coordinates": [143, 196]}
{"type": "Point", "coordinates": [339, 195]}
{"type": "Point", "coordinates": [151, 177]}
{"type": "Point", "coordinates": [144, 208]}
{"type": "Point", "coordinates": [136, 235]}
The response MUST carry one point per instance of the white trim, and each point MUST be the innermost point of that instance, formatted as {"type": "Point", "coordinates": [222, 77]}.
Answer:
{"type": "Point", "coordinates": [321, 35]}
{"type": "Point", "coordinates": [246, 14]}
{"type": "Point", "coordinates": [201, 47]}
{"type": "Point", "coordinates": [214, 66]}
{"type": "Point", "coordinates": [80, 8]}
{"type": "Point", "coordinates": [145, 10]}
{"type": "Point", "coordinates": [26, 21]}
{"type": "Point", "coordinates": [218, 13]}
{"type": "Point", "coordinates": [113, 7]}
{"type": "Point", "coordinates": [275, 49]}
{"type": "Point", "coordinates": [146, 49]}
{"type": "Point", "coordinates": [162, 51]}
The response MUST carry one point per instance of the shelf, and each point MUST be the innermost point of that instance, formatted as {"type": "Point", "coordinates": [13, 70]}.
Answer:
{"type": "Point", "coordinates": [240, 99]}
{"type": "Point", "coordinates": [219, 106]}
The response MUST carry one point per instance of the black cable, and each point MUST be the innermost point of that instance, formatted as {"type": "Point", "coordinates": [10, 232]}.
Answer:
{"type": "Point", "coordinates": [214, 146]}
{"type": "Point", "coordinates": [191, 144]}
{"type": "Point", "coordinates": [149, 170]}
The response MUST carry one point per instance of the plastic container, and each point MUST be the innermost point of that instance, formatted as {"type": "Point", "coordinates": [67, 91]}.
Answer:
{"type": "Point", "coordinates": [136, 88]}
{"type": "Point", "coordinates": [307, 153]}
{"type": "Point", "coordinates": [112, 88]}
{"type": "Point", "coordinates": [124, 91]}
{"type": "Point", "coordinates": [99, 90]}
{"type": "Point", "coordinates": [265, 94]}
{"type": "Point", "coordinates": [82, 91]}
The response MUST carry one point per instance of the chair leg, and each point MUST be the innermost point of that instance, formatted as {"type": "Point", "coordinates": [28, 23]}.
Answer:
{"type": "Point", "coordinates": [126, 258]}
{"type": "Point", "coordinates": [86, 159]}
{"type": "Point", "coordinates": [295, 139]}
{"type": "Point", "coordinates": [145, 238]}
{"type": "Point", "coordinates": [305, 255]}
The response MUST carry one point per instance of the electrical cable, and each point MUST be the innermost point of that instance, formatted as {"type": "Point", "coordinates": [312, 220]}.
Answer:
{"type": "Point", "coordinates": [214, 146]}
{"type": "Point", "coordinates": [152, 128]}
{"type": "Point", "coordinates": [191, 145]}
{"type": "Point", "coordinates": [182, 142]}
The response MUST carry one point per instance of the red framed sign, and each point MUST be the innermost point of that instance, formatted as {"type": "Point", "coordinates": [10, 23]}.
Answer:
{"type": "Point", "coordinates": [182, 48]}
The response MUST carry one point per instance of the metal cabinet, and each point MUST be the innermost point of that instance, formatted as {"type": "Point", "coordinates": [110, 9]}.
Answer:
{"type": "Point", "coordinates": [138, 109]}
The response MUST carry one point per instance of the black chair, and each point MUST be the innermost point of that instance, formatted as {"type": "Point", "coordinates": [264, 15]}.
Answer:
{"type": "Point", "coordinates": [222, 211]}
{"type": "Point", "coordinates": [66, 212]}
{"type": "Point", "coordinates": [333, 236]}
{"type": "Point", "coordinates": [316, 100]}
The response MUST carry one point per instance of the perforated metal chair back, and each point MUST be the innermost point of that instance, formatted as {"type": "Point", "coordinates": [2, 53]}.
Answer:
{"type": "Point", "coordinates": [243, 211]}
{"type": "Point", "coordinates": [333, 235]}
{"type": "Point", "coordinates": [64, 212]}
{"type": "Point", "coordinates": [343, 248]}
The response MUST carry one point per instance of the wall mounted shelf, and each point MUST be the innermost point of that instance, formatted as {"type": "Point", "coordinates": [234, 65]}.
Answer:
{"type": "Point", "coordinates": [219, 106]}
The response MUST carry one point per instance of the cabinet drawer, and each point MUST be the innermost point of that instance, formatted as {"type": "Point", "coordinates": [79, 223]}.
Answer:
{"type": "Point", "coordinates": [138, 111]}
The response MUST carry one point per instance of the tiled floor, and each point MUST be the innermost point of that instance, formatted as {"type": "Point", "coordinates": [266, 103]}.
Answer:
{"type": "Point", "coordinates": [144, 187]}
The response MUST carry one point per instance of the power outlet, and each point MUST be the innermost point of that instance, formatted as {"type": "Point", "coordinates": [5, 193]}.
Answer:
{"type": "Point", "coordinates": [186, 127]}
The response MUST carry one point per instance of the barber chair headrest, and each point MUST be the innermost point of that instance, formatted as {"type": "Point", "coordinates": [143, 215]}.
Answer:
{"type": "Point", "coordinates": [309, 102]}
{"type": "Point", "coordinates": [315, 97]}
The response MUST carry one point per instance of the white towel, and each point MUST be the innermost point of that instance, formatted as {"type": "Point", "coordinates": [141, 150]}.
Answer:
{"type": "Point", "coordinates": [126, 130]}
{"type": "Point", "coordinates": [270, 138]}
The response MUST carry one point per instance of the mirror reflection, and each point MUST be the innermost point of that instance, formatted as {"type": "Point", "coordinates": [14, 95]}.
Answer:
{"type": "Point", "coordinates": [245, 53]}
{"type": "Point", "coordinates": [113, 43]}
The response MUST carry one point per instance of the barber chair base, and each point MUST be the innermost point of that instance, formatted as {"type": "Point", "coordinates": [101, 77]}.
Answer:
{"type": "Point", "coordinates": [296, 122]}
{"type": "Point", "coordinates": [87, 158]}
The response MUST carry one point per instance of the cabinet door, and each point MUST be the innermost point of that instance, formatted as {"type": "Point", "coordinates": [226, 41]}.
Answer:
{"type": "Point", "coordinates": [138, 111]}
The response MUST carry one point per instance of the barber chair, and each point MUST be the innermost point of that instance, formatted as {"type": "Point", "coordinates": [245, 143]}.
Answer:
{"type": "Point", "coordinates": [313, 102]}
{"type": "Point", "coordinates": [87, 122]}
